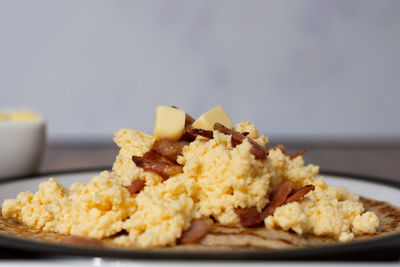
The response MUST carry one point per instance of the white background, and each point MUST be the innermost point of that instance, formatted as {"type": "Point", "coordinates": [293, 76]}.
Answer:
{"type": "Point", "coordinates": [303, 69]}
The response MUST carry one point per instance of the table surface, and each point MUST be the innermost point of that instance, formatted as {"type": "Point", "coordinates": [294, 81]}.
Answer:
{"type": "Point", "coordinates": [370, 159]}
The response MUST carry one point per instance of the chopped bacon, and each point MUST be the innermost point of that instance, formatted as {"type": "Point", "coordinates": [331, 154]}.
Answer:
{"type": "Point", "coordinates": [278, 198]}
{"type": "Point", "coordinates": [188, 135]}
{"type": "Point", "coordinates": [284, 193]}
{"type": "Point", "coordinates": [166, 170]}
{"type": "Point", "coordinates": [245, 133]}
{"type": "Point", "coordinates": [237, 138]}
{"type": "Point", "coordinates": [296, 154]}
{"type": "Point", "coordinates": [298, 193]}
{"type": "Point", "coordinates": [198, 229]}
{"type": "Point", "coordinates": [280, 147]}
{"type": "Point", "coordinates": [169, 148]}
{"type": "Point", "coordinates": [205, 133]}
{"type": "Point", "coordinates": [258, 151]}
{"type": "Point", "coordinates": [136, 186]}
{"type": "Point", "coordinates": [81, 240]}
{"type": "Point", "coordinates": [154, 155]}
{"type": "Point", "coordinates": [249, 217]}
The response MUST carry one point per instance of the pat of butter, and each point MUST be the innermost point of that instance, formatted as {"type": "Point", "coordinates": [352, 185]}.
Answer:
{"type": "Point", "coordinates": [207, 120]}
{"type": "Point", "coordinates": [169, 122]}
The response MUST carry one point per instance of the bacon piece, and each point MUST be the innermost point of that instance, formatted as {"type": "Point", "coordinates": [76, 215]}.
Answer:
{"type": "Point", "coordinates": [166, 170]}
{"type": "Point", "coordinates": [154, 155]}
{"type": "Point", "coordinates": [81, 240]}
{"type": "Point", "coordinates": [249, 217]}
{"type": "Point", "coordinates": [258, 151]}
{"type": "Point", "coordinates": [136, 186]}
{"type": "Point", "coordinates": [237, 138]}
{"type": "Point", "coordinates": [188, 135]}
{"type": "Point", "coordinates": [280, 147]}
{"type": "Point", "coordinates": [205, 133]}
{"type": "Point", "coordinates": [245, 133]}
{"type": "Point", "coordinates": [296, 154]}
{"type": "Point", "coordinates": [278, 198]}
{"type": "Point", "coordinates": [283, 194]}
{"type": "Point", "coordinates": [169, 148]}
{"type": "Point", "coordinates": [298, 193]}
{"type": "Point", "coordinates": [197, 230]}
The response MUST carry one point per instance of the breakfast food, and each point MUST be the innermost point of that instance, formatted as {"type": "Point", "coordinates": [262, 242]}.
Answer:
{"type": "Point", "coordinates": [211, 187]}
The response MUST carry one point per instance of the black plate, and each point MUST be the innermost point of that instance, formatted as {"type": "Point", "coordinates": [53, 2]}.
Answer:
{"type": "Point", "coordinates": [383, 248]}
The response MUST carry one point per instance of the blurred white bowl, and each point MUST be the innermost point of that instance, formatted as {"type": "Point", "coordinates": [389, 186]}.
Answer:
{"type": "Point", "coordinates": [21, 147]}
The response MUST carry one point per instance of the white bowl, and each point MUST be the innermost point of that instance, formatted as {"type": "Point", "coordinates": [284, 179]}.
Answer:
{"type": "Point", "coordinates": [21, 147]}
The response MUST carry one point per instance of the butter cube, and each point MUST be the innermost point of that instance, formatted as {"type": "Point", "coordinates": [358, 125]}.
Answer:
{"type": "Point", "coordinates": [207, 120]}
{"type": "Point", "coordinates": [169, 122]}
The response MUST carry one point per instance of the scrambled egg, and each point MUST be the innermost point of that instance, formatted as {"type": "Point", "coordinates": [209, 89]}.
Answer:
{"type": "Point", "coordinates": [216, 179]}
{"type": "Point", "coordinates": [326, 211]}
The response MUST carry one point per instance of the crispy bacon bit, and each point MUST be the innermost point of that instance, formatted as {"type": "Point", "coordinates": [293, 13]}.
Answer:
{"type": "Point", "coordinates": [237, 138]}
{"type": "Point", "coordinates": [166, 170]}
{"type": "Point", "coordinates": [81, 240]}
{"type": "Point", "coordinates": [249, 217]}
{"type": "Point", "coordinates": [280, 147]}
{"type": "Point", "coordinates": [198, 229]}
{"type": "Point", "coordinates": [298, 193]}
{"type": "Point", "coordinates": [258, 151]}
{"type": "Point", "coordinates": [296, 154]}
{"type": "Point", "coordinates": [205, 133]}
{"type": "Point", "coordinates": [169, 148]}
{"type": "Point", "coordinates": [188, 135]}
{"type": "Point", "coordinates": [283, 194]}
{"type": "Point", "coordinates": [136, 186]}
{"type": "Point", "coordinates": [278, 198]}
{"type": "Point", "coordinates": [245, 133]}
{"type": "Point", "coordinates": [154, 155]}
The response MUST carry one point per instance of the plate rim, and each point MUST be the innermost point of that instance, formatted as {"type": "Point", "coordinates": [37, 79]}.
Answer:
{"type": "Point", "coordinates": [390, 241]}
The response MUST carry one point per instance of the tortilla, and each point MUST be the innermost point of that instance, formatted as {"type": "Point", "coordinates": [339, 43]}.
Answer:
{"type": "Point", "coordinates": [225, 238]}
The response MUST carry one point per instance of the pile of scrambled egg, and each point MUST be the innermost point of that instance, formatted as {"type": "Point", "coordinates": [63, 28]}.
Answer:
{"type": "Point", "coordinates": [216, 179]}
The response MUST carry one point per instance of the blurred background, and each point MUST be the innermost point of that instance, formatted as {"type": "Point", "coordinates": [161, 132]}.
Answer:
{"type": "Point", "coordinates": [317, 74]}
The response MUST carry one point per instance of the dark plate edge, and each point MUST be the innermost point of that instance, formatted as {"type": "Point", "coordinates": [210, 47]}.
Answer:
{"type": "Point", "coordinates": [386, 243]}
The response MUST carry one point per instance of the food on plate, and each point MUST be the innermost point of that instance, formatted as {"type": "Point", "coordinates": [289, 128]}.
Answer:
{"type": "Point", "coordinates": [169, 122]}
{"type": "Point", "coordinates": [192, 184]}
{"type": "Point", "coordinates": [216, 115]}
